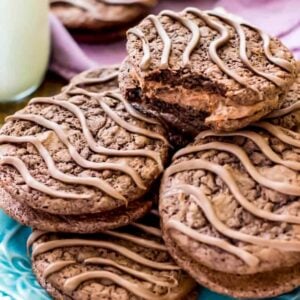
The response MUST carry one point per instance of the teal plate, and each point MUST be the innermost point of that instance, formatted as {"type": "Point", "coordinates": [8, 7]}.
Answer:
{"type": "Point", "coordinates": [17, 282]}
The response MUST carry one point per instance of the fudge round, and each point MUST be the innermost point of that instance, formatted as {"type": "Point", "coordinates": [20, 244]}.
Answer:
{"type": "Point", "coordinates": [80, 154]}
{"type": "Point", "coordinates": [82, 161]}
{"type": "Point", "coordinates": [206, 68]}
{"type": "Point", "coordinates": [229, 205]}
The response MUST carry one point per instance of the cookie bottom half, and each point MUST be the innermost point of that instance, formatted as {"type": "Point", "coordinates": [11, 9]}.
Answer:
{"type": "Point", "coordinates": [90, 223]}
{"type": "Point", "coordinates": [260, 285]}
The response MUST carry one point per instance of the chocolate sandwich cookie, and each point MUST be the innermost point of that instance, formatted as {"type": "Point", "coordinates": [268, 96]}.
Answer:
{"type": "Point", "coordinates": [80, 157]}
{"type": "Point", "coordinates": [131, 263]}
{"type": "Point", "coordinates": [100, 20]}
{"type": "Point", "coordinates": [205, 68]}
{"type": "Point", "coordinates": [288, 113]}
{"type": "Point", "coordinates": [229, 205]}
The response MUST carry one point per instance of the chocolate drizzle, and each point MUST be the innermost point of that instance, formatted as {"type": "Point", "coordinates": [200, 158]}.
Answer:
{"type": "Point", "coordinates": [84, 80]}
{"type": "Point", "coordinates": [284, 111]}
{"type": "Point", "coordinates": [243, 48]}
{"type": "Point", "coordinates": [33, 183]}
{"type": "Point", "coordinates": [212, 19]}
{"type": "Point", "coordinates": [45, 247]}
{"type": "Point", "coordinates": [129, 127]}
{"type": "Point", "coordinates": [72, 283]}
{"type": "Point", "coordinates": [217, 43]}
{"type": "Point", "coordinates": [93, 145]}
{"type": "Point", "coordinates": [225, 174]}
{"type": "Point", "coordinates": [282, 187]}
{"type": "Point", "coordinates": [176, 288]}
{"type": "Point", "coordinates": [87, 134]}
{"type": "Point", "coordinates": [55, 173]}
{"type": "Point", "coordinates": [259, 141]}
{"type": "Point", "coordinates": [165, 39]}
{"type": "Point", "coordinates": [192, 27]}
{"type": "Point", "coordinates": [248, 258]}
{"type": "Point", "coordinates": [147, 56]}
{"type": "Point", "coordinates": [279, 132]}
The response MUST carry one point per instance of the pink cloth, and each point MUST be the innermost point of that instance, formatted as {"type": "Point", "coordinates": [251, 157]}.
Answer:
{"type": "Point", "coordinates": [277, 17]}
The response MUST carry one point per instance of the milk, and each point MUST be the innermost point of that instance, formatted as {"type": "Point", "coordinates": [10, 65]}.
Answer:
{"type": "Point", "coordinates": [24, 47]}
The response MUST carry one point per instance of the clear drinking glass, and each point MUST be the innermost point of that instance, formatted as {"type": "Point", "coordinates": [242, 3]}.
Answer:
{"type": "Point", "coordinates": [24, 47]}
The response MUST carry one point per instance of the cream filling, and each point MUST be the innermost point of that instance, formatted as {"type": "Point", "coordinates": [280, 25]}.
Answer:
{"type": "Point", "coordinates": [214, 104]}
{"type": "Point", "coordinates": [220, 108]}
{"type": "Point", "coordinates": [224, 112]}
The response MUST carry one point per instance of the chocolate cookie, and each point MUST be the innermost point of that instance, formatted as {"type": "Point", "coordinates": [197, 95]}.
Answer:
{"type": "Point", "coordinates": [206, 68]}
{"type": "Point", "coordinates": [230, 210]}
{"type": "Point", "coordinates": [100, 20]}
{"type": "Point", "coordinates": [132, 263]}
{"type": "Point", "coordinates": [288, 114]}
{"type": "Point", "coordinates": [80, 155]}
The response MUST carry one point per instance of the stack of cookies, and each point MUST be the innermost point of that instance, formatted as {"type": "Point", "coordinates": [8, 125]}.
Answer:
{"type": "Point", "coordinates": [81, 167]}
{"type": "Point", "coordinates": [229, 201]}
{"type": "Point", "coordinates": [77, 166]}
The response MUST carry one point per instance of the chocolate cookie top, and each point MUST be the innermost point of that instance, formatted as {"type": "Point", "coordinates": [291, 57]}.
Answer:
{"type": "Point", "coordinates": [288, 113]}
{"type": "Point", "coordinates": [80, 154]}
{"type": "Point", "coordinates": [99, 14]}
{"type": "Point", "coordinates": [231, 201]}
{"type": "Point", "coordinates": [237, 68]}
{"type": "Point", "coordinates": [132, 263]}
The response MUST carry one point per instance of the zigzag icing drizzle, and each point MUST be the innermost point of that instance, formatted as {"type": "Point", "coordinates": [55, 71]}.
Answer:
{"type": "Point", "coordinates": [212, 19]}
{"type": "Point", "coordinates": [145, 62]}
{"type": "Point", "coordinates": [63, 137]}
{"type": "Point", "coordinates": [194, 30]}
{"type": "Point", "coordinates": [89, 137]}
{"type": "Point", "coordinates": [294, 105]}
{"type": "Point", "coordinates": [54, 172]}
{"type": "Point", "coordinates": [284, 111]}
{"type": "Point", "coordinates": [224, 173]}
{"type": "Point", "coordinates": [129, 108]}
{"type": "Point", "coordinates": [165, 39]}
{"type": "Point", "coordinates": [71, 284]}
{"type": "Point", "coordinates": [216, 242]}
{"type": "Point", "coordinates": [217, 43]}
{"type": "Point", "coordinates": [237, 25]}
{"type": "Point", "coordinates": [83, 79]}
{"type": "Point", "coordinates": [282, 187]}
{"type": "Point", "coordinates": [33, 183]}
{"type": "Point", "coordinates": [279, 132]}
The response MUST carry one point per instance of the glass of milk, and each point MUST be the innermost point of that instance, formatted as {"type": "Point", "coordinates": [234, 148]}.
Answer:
{"type": "Point", "coordinates": [24, 47]}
